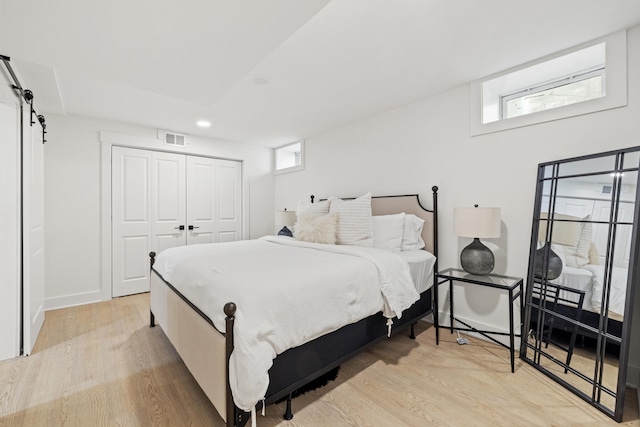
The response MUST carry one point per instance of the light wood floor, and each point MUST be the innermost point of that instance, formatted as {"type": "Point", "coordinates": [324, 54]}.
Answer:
{"type": "Point", "coordinates": [101, 365]}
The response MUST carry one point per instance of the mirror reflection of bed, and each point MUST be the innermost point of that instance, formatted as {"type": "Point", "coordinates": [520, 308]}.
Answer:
{"type": "Point", "coordinates": [580, 265]}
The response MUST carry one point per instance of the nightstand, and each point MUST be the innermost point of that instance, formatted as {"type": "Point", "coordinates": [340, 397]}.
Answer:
{"type": "Point", "coordinates": [512, 285]}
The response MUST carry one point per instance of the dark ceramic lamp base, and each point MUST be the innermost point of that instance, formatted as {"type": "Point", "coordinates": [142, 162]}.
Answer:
{"type": "Point", "coordinates": [285, 232]}
{"type": "Point", "coordinates": [554, 263]}
{"type": "Point", "coordinates": [477, 259]}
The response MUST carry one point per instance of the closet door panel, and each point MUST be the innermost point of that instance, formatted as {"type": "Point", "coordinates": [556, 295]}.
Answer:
{"type": "Point", "coordinates": [168, 201]}
{"type": "Point", "coordinates": [201, 200]}
{"type": "Point", "coordinates": [229, 197]}
{"type": "Point", "coordinates": [131, 220]}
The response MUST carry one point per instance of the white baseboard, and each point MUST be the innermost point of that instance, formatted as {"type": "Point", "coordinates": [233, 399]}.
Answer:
{"type": "Point", "coordinates": [72, 300]}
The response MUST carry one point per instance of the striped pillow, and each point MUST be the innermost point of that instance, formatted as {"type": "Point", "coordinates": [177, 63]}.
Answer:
{"type": "Point", "coordinates": [355, 223]}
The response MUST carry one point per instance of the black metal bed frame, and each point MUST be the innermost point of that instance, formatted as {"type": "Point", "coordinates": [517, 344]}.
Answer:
{"type": "Point", "coordinates": [330, 350]}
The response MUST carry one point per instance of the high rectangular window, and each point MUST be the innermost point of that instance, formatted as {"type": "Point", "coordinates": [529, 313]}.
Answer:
{"type": "Point", "coordinates": [289, 158]}
{"type": "Point", "coordinates": [582, 80]}
{"type": "Point", "coordinates": [579, 87]}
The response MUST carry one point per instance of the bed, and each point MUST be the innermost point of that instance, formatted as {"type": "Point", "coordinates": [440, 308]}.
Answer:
{"type": "Point", "coordinates": [244, 362]}
{"type": "Point", "coordinates": [590, 279]}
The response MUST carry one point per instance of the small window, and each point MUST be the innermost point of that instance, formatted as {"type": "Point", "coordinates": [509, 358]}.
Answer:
{"type": "Point", "coordinates": [579, 87]}
{"type": "Point", "coordinates": [289, 158]}
{"type": "Point", "coordinates": [583, 80]}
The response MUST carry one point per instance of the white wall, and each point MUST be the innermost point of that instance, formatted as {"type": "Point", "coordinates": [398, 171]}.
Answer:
{"type": "Point", "coordinates": [9, 224]}
{"type": "Point", "coordinates": [73, 199]}
{"type": "Point", "coordinates": [411, 148]}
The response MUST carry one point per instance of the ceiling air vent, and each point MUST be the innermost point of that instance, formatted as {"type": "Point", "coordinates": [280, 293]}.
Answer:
{"type": "Point", "coordinates": [172, 138]}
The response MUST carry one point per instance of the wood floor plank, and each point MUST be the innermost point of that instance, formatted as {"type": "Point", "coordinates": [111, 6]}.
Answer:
{"type": "Point", "coordinates": [101, 365]}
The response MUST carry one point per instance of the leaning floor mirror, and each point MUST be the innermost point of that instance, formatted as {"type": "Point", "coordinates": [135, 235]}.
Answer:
{"type": "Point", "coordinates": [582, 271]}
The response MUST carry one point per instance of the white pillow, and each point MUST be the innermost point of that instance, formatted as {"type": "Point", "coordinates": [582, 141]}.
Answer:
{"type": "Point", "coordinates": [355, 224]}
{"type": "Point", "coordinates": [388, 231]}
{"type": "Point", "coordinates": [319, 207]}
{"type": "Point", "coordinates": [316, 228]}
{"type": "Point", "coordinates": [412, 237]}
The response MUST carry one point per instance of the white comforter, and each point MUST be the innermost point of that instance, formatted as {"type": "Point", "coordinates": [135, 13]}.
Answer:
{"type": "Point", "coordinates": [287, 293]}
{"type": "Point", "coordinates": [618, 292]}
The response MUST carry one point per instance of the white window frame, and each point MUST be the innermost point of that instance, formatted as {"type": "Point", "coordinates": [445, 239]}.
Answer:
{"type": "Point", "coordinates": [295, 168]}
{"type": "Point", "coordinates": [615, 90]}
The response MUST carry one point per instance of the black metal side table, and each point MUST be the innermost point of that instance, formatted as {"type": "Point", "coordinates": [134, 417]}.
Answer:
{"type": "Point", "coordinates": [513, 285]}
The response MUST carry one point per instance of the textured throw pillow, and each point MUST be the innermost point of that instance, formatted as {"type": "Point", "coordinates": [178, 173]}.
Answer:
{"type": "Point", "coordinates": [355, 223]}
{"type": "Point", "coordinates": [412, 237]}
{"type": "Point", "coordinates": [388, 231]}
{"type": "Point", "coordinates": [316, 228]}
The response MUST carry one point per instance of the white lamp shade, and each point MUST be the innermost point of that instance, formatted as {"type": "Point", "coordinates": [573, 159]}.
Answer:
{"type": "Point", "coordinates": [285, 218]}
{"type": "Point", "coordinates": [477, 222]}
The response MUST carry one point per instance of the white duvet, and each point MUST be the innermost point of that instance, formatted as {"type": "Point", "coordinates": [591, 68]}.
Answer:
{"type": "Point", "coordinates": [287, 293]}
{"type": "Point", "coordinates": [590, 279]}
{"type": "Point", "coordinates": [618, 292]}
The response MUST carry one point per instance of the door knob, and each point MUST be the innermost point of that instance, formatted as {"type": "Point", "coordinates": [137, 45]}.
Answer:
{"type": "Point", "coordinates": [180, 227]}
{"type": "Point", "coordinates": [191, 227]}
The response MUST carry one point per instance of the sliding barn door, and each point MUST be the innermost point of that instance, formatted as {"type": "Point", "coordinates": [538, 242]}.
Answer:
{"type": "Point", "coordinates": [33, 229]}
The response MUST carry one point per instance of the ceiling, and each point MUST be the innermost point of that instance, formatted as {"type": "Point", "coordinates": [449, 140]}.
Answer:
{"type": "Point", "coordinates": [272, 72]}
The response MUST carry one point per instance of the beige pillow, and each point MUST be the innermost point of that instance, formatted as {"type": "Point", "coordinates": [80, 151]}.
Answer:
{"type": "Point", "coordinates": [316, 228]}
{"type": "Point", "coordinates": [575, 237]}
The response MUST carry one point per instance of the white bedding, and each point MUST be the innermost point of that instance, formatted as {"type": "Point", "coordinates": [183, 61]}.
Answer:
{"type": "Point", "coordinates": [287, 293]}
{"type": "Point", "coordinates": [590, 278]}
{"type": "Point", "coordinates": [421, 264]}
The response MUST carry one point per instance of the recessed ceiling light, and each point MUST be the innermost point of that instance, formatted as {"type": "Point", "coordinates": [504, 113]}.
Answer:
{"type": "Point", "coordinates": [260, 81]}
{"type": "Point", "coordinates": [203, 123]}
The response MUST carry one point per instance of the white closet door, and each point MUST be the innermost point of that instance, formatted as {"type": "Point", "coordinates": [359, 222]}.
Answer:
{"type": "Point", "coordinates": [131, 220]}
{"type": "Point", "coordinates": [168, 200]}
{"type": "Point", "coordinates": [156, 196]}
{"type": "Point", "coordinates": [33, 226]}
{"type": "Point", "coordinates": [201, 200]}
{"type": "Point", "coordinates": [229, 198]}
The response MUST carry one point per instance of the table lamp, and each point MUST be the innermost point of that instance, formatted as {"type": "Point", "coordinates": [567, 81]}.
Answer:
{"type": "Point", "coordinates": [477, 223]}
{"type": "Point", "coordinates": [286, 219]}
